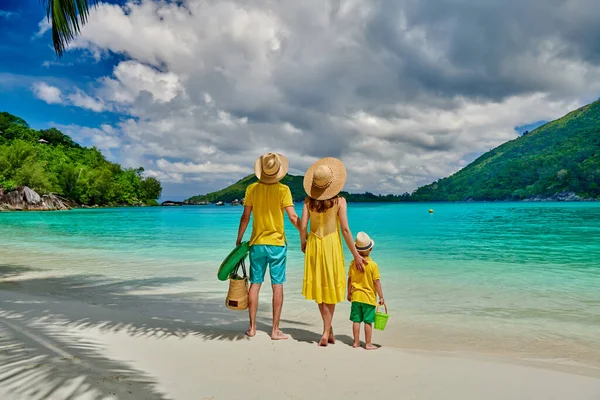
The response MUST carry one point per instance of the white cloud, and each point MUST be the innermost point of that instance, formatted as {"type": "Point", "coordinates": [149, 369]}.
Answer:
{"type": "Point", "coordinates": [43, 27]}
{"type": "Point", "coordinates": [80, 99]}
{"type": "Point", "coordinates": [404, 92]}
{"type": "Point", "coordinates": [6, 14]}
{"type": "Point", "coordinates": [50, 94]}
{"type": "Point", "coordinates": [133, 79]}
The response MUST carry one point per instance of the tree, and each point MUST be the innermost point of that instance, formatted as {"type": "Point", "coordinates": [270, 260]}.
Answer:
{"type": "Point", "coordinates": [66, 17]}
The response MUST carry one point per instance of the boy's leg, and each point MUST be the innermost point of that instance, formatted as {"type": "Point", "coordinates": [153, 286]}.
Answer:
{"type": "Point", "coordinates": [258, 267]}
{"type": "Point", "coordinates": [356, 317]}
{"type": "Point", "coordinates": [369, 314]}
{"type": "Point", "coordinates": [356, 333]}
{"type": "Point", "coordinates": [277, 266]}
{"type": "Point", "coordinates": [368, 337]}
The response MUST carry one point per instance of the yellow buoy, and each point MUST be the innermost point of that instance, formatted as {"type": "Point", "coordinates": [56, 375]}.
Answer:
{"type": "Point", "coordinates": [431, 211]}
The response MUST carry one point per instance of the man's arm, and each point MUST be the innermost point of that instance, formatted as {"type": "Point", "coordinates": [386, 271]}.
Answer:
{"type": "Point", "coordinates": [244, 221]}
{"type": "Point", "coordinates": [293, 216]}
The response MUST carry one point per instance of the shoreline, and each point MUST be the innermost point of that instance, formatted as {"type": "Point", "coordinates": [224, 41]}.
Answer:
{"type": "Point", "coordinates": [91, 349]}
{"type": "Point", "coordinates": [202, 301]}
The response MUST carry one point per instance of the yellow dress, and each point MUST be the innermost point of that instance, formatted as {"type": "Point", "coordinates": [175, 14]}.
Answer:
{"type": "Point", "coordinates": [324, 268]}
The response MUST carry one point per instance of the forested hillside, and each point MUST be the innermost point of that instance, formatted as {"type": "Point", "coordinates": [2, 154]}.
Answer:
{"type": "Point", "coordinates": [50, 162]}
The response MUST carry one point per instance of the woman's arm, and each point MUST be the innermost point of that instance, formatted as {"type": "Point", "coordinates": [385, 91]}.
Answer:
{"type": "Point", "coordinates": [343, 216]}
{"type": "Point", "coordinates": [304, 227]}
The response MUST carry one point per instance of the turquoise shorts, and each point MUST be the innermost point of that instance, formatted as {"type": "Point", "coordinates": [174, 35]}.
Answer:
{"type": "Point", "coordinates": [273, 256]}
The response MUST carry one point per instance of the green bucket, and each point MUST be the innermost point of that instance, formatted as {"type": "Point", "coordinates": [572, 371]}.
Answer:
{"type": "Point", "coordinates": [381, 318]}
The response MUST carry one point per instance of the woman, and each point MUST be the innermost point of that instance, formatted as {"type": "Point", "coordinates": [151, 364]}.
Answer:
{"type": "Point", "coordinates": [324, 267]}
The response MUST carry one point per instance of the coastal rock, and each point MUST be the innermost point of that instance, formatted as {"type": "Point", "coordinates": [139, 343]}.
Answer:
{"type": "Point", "coordinates": [562, 196]}
{"type": "Point", "coordinates": [26, 199]}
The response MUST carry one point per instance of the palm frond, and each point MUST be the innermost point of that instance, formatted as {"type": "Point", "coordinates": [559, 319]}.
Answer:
{"type": "Point", "coordinates": [66, 18]}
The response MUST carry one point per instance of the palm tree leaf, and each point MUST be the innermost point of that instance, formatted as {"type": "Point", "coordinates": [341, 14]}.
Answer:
{"type": "Point", "coordinates": [66, 18]}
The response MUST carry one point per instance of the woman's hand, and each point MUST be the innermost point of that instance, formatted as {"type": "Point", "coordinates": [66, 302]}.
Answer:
{"type": "Point", "coordinates": [360, 262]}
{"type": "Point", "coordinates": [303, 247]}
{"type": "Point", "coordinates": [350, 297]}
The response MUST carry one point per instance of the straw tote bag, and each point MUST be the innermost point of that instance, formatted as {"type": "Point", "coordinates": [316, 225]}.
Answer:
{"type": "Point", "coordinates": [237, 297]}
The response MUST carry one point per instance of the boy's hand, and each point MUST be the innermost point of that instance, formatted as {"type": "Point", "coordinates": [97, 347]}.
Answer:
{"type": "Point", "coordinates": [381, 301]}
{"type": "Point", "coordinates": [350, 297]}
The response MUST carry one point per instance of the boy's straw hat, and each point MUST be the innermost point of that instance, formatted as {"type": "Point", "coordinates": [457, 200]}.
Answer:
{"type": "Point", "coordinates": [271, 167]}
{"type": "Point", "coordinates": [363, 242]}
{"type": "Point", "coordinates": [325, 178]}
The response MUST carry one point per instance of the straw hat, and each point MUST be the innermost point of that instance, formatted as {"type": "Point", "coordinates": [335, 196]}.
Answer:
{"type": "Point", "coordinates": [363, 242]}
{"type": "Point", "coordinates": [325, 178]}
{"type": "Point", "coordinates": [271, 167]}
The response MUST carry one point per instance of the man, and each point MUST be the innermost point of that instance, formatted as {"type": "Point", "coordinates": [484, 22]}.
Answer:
{"type": "Point", "coordinates": [267, 199]}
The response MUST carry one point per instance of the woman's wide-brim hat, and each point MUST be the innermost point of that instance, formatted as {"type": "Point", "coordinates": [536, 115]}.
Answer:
{"type": "Point", "coordinates": [271, 167]}
{"type": "Point", "coordinates": [325, 179]}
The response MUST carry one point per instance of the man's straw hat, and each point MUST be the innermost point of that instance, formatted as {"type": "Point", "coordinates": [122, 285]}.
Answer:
{"type": "Point", "coordinates": [325, 178]}
{"type": "Point", "coordinates": [271, 167]}
{"type": "Point", "coordinates": [363, 242]}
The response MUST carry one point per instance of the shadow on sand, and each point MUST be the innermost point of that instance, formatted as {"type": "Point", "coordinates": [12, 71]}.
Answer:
{"type": "Point", "coordinates": [39, 360]}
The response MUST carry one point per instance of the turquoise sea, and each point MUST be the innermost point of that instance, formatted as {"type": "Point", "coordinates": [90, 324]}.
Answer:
{"type": "Point", "coordinates": [515, 279]}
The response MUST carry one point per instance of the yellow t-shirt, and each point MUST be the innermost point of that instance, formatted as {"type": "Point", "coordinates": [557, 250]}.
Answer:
{"type": "Point", "coordinates": [363, 283]}
{"type": "Point", "coordinates": [268, 202]}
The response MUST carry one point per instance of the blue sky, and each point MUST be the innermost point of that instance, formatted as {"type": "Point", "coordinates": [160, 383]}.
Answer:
{"type": "Point", "coordinates": [194, 91]}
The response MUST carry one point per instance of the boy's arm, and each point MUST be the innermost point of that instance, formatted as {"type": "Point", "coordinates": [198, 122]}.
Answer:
{"type": "Point", "coordinates": [244, 221]}
{"type": "Point", "coordinates": [379, 292]}
{"type": "Point", "coordinates": [349, 288]}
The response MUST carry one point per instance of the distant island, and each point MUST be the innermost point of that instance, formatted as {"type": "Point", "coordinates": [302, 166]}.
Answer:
{"type": "Point", "coordinates": [295, 182]}
{"type": "Point", "coordinates": [559, 161]}
{"type": "Point", "coordinates": [50, 165]}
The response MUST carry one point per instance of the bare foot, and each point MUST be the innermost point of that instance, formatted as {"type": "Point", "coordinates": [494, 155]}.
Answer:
{"type": "Point", "coordinates": [371, 347]}
{"type": "Point", "coordinates": [324, 341]}
{"type": "Point", "coordinates": [356, 345]}
{"type": "Point", "coordinates": [251, 332]}
{"type": "Point", "coordinates": [331, 338]}
{"type": "Point", "coordinates": [278, 335]}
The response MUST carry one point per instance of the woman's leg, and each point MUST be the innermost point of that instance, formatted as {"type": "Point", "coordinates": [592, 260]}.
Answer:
{"type": "Point", "coordinates": [323, 311]}
{"type": "Point", "coordinates": [328, 310]}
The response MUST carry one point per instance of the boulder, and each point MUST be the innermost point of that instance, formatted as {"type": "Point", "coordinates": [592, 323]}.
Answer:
{"type": "Point", "coordinates": [26, 199]}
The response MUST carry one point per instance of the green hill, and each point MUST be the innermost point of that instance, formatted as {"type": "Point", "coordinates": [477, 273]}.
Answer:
{"type": "Point", "coordinates": [295, 182]}
{"type": "Point", "coordinates": [49, 161]}
{"type": "Point", "coordinates": [558, 157]}
{"type": "Point", "coordinates": [238, 190]}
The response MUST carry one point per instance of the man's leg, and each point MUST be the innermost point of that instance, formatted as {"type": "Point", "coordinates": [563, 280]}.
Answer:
{"type": "Point", "coordinates": [277, 266]}
{"type": "Point", "coordinates": [253, 308]}
{"type": "Point", "coordinates": [276, 334]}
{"type": "Point", "coordinates": [258, 267]}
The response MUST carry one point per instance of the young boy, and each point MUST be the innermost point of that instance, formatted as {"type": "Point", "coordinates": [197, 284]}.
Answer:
{"type": "Point", "coordinates": [362, 287]}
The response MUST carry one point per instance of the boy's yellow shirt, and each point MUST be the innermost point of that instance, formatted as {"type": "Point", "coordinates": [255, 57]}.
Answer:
{"type": "Point", "coordinates": [363, 283]}
{"type": "Point", "coordinates": [268, 202]}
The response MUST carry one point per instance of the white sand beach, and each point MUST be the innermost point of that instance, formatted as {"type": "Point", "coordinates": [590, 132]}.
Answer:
{"type": "Point", "coordinates": [63, 339]}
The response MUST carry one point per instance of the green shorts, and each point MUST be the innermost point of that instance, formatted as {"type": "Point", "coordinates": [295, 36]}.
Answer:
{"type": "Point", "coordinates": [361, 312]}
